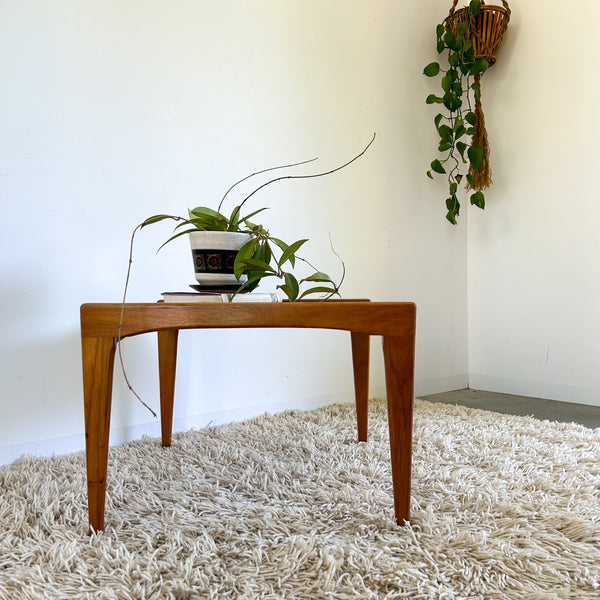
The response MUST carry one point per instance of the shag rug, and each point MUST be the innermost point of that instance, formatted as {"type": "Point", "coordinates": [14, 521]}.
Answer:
{"type": "Point", "coordinates": [290, 506]}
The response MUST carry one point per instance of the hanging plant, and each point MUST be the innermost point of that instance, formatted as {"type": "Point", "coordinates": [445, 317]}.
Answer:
{"type": "Point", "coordinates": [469, 39]}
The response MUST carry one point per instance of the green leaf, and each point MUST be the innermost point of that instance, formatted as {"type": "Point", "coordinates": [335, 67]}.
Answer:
{"type": "Point", "coordinates": [453, 188]}
{"type": "Point", "coordinates": [280, 243]}
{"type": "Point", "coordinates": [452, 102]}
{"type": "Point", "coordinates": [476, 155]}
{"type": "Point", "coordinates": [204, 224]}
{"type": "Point", "coordinates": [197, 222]}
{"type": "Point", "coordinates": [445, 133]}
{"type": "Point", "coordinates": [437, 166]}
{"type": "Point", "coordinates": [257, 265]}
{"type": "Point", "coordinates": [454, 60]}
{"type": "Point", "coordinates": [252, 282]}
{"type": "Point", "coordinates": [244, 253]}
{"type": "Point", "coordinates": [284, 247]}
{"type": "Point", "coordinates": [429, 175]}
{"type": "Point", "coordinates": [478, 199]}
{"type": "Point", "coordinates": [253, 213]}
{"type": "Point", "coordinates": [460, 132]}
{"type": "Point", "coordinates": [318, 276]}
{"type": "Point", "coordinates": [439, 31]}
{"type": "Point", "coordinates": [461, 147]}
{"type": "Point", "coordinates": [158, 218]}
{"type": "Point", "coordinates": [204, 211]}
{"type": "Point", "coordinates": [255, 229]}
{"type": "Point", "coordinates": [437, 120]}
{"type": "Point", "coordinates": [176, 236]}
{"type": "Point", "coordinates": [249, 248]}
{"type": "Point", "coordinates": [263, 252]}
{"type": "Point", "coordinates": [471, 181]}
{"type": "Point", "coordinates": [234, 219]}
{"type": "Point", "coordinates": [446, 82]}
{"type": "Point", "coordinates": [290, 251]}
{"type": "Point", "coordinates": [432, 69]}
{"type": "Point", "coordinates": [318, 290]}
{"type": "Point", "coordinates": [475, 7]}
{"type": "Point", "coordinates": [440, 46]}
{"type": "Point", "coordinates": [479, 66]}
{"type": "Point", "coordinates": [291, 287]}
{"type": "Point", "coordinates": [471, 118]}
{"type": "Point", "coordinates": [286, 290]}
{"type": "Point", "coordinates": [450, 40]}
{"type": "Point", "coordinates": [444, 146]}
{"type": "Point", "coordinates": [453, 206]}
{"type": "Point", "coordinates": [208, 219]}
{"type": "Point", "coordinates": [461, 28]}
{"type": "Point", "coordinates": [433, 99]}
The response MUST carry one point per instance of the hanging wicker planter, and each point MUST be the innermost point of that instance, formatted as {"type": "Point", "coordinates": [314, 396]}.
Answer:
{"type": "Point", "coordinates": [489, 27]}
{"type": "Point", "coordinates": [487, 30]}
{"type": "Point", "coordinates": [469, 38]}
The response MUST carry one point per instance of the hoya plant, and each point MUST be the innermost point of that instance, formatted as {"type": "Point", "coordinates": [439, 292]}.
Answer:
{"type": "Point", "coordinates": [462, 150]}
{"type": "Point", "coordinates": [264, 255]}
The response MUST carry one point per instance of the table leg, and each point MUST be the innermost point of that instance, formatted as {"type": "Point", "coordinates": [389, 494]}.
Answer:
{"type": "Point", "coordinates": [360, 363]}
{"type": "Point", "coordinates": [398, 353]}
{"type": "Point", "coordinates": [167, 363]}
{"type": "Point", "coordinates": [98, 356]}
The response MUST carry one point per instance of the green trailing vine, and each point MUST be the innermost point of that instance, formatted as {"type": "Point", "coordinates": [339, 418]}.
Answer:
{"type": "Point", "coordinates": [460, 94]}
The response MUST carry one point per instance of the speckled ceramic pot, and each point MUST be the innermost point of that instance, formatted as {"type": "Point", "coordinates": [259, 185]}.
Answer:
{"type": "Point", "coordinates": [213, 253]}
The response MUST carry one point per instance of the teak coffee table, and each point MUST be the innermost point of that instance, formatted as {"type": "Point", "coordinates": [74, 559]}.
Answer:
{"type": "Point", "coordinates": [395, 321]}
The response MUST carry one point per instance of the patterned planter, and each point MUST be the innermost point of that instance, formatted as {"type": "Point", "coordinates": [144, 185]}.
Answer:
{"type": "Point", "coordinates": [213, 253]}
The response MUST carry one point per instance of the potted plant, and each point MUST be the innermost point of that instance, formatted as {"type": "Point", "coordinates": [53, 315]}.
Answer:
{"type": "Point", "coordinates": [254, 254]}
{"type": "Point", "coordinates": [243, 253]}
{"type": "Point", "coordinates": [469, 39]}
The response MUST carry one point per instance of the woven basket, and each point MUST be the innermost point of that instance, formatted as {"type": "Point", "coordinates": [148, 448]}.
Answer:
{"type": "Point", "coordinates": [490, 25]}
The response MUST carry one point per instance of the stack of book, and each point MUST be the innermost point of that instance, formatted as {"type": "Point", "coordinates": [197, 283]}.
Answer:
{"type": "Point", "coordinates": [216, 296]}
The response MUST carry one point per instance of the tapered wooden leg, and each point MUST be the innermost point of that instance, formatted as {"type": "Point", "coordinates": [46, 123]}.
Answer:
{"type": "Point", "coordinates": [360, 363]}
{"type": "Point", "coordinates": [98, 356]}
{"type": "Point", "coordinates": [167, 363]}
{"type": "Point", "coordinates": [399, 353]}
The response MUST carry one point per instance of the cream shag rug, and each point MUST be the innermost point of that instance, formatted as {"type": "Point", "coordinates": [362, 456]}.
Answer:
{"type": "Point", "coordinates": [290, 506]}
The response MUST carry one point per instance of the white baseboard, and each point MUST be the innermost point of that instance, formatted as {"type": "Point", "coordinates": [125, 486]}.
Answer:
{"type": "Point", "coordinates": [74, 443]}
{"type": "Point", "coordinates": [152, 429]}
{"type": "Point", "coordinates": [441, 384]}
{"type": "Point", "coordinates": [536, 389]}
{"type": "Point", "coordinates": [47, 447]}
{"type": "Point", "coordinates": [120, 435]}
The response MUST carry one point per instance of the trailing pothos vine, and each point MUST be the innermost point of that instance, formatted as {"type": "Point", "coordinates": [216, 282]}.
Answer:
{"type": "Point", "coordinates": [462, 146]}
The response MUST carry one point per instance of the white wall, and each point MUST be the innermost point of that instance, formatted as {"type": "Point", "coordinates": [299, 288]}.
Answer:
{"type": "Point", "coordinates": [113, 111]}
{"type": "Point", "coordinates": [534, 255]}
